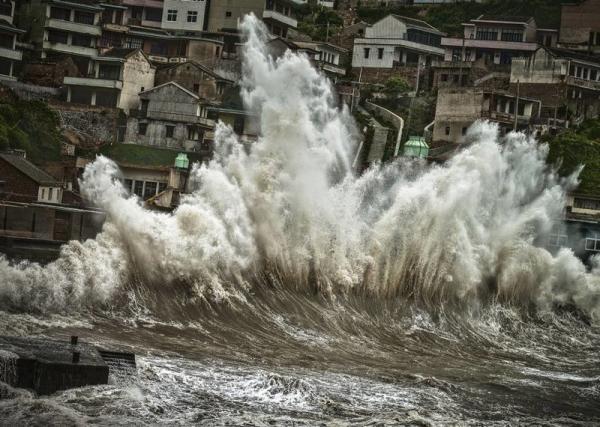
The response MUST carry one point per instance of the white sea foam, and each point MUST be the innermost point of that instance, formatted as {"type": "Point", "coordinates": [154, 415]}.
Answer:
{"type": "Point", "coordinates": [460, 233]}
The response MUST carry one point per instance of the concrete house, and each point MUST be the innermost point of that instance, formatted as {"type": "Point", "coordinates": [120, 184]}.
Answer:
{"type": "Point", "coordinates": [328, 58]}
{"type": "Point", "coordinates": [580, 26]}
{"type": "Point", "coordinates": [396, 41]}
{"type": "Point", "coordinates": [459, 108]}
{"type": "Point", "coordinates": [59, 28]}
{"type": "Point", "coordinates": [22, 181]}
{"type": "Point", "coordinates": [196, 78]}
{"type": "Point", "coordinates": [184, 15]}
{"type": "Point", "coordinates": [10, 56]}
{"type": "Point", "coordinates": [566, 82]}
{"type": "Point", "coordinates": [497, 39]}
{"type": "Point", "coordinates": [116, 79]}
{"type": "Point", "coordinates": [144, 13]}
{"type": "Point", "coordinates": [170, 116]}
{"type": "Point", "coordinates": [278, 15]}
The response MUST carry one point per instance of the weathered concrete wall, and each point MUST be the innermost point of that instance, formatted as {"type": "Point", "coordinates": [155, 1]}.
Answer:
{"type": "Point", "coordinates": [540, 68]}
{"type": "Point", "coordinates": [156, 135]}
{"type": "Point", "coordinates": [193, 78]}
{"type": "Point", "coordinates": [172, 104]}
{"type": "Point", "coordinates": [206, 52]}
{"type": "Point", "coordinates": [390, 117]}
{"type": "Point", "coordinates": [31, 92]}
{"type": "Point", "coordinates": [138, 75]}
{"type": "Point", "coordinates": [578, 20]}
{"type": "Point", "coordinates": [456, 110]}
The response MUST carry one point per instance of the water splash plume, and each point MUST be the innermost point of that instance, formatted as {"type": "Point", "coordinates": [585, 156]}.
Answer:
{"type": "Point", "coordinates": [291, 212]}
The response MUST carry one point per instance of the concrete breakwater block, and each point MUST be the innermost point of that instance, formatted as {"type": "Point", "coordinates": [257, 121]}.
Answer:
{"type": "Point", "coordinates": [47, 366]}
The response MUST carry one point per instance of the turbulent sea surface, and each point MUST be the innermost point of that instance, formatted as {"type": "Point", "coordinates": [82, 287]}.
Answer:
{"type": "Point", "coordinates": [286, 290]}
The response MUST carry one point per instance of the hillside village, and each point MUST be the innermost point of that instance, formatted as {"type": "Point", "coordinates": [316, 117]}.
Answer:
{"type": "Point", "coordinates": [144, 82]}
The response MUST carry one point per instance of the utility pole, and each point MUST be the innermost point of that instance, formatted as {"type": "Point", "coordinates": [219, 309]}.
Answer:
{"type": "Point", "coordinates": [517, 106]}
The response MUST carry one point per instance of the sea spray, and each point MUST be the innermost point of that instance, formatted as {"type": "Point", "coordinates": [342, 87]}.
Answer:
{"type": "Point", "coordinates": [290, 209]}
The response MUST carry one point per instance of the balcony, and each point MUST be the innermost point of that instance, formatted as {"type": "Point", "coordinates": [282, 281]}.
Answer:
{"type": "Point", "coordinates": [586, 84]}
{"type": "Point", "coordinates": [74, 27]}
{"type": "Point", "coordinates": [70, 49]}
{"type": "Point", "coordinates": [115, 28]}
{"type": "Point", "coordinates": [93, 82]}
{"type": "Point", "coordinates": [15, 55]}
{"type": "Point", "coordinates": [488, 44]}
{"type": "Point", "coordinates": [280, 17]}
{"type": "Point", "coordinates": [332, 68]}
{"type": "Point", "coordinates": [504, 117]}
{"type": "Point", "coordinates": [158, 4]}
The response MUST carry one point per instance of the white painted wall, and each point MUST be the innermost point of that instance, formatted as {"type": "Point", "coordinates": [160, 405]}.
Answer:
{"type": "Point", "coordinates": [183, 7]}
{"type": "Point", "coordinates": [138, 75]}
{"type": "Point", "coordinates": [50, 194]}
{"type": "Point", "coordinates": [386, 28]}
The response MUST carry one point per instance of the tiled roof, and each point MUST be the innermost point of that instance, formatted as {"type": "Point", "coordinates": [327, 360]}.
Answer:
{"type": "Point", "coordinates": [417, 23]}
{"type": "Point", "coordinates": [504, 18]}
{"type": "Point", "coordinates": [29, 169]}
{"type": "Point", "coordinates": [119, 52]}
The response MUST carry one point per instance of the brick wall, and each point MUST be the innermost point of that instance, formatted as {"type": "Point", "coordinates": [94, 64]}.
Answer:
{"type": "Point", "coordinates": [17, 185]}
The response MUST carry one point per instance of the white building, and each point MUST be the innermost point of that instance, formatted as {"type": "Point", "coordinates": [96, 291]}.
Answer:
{"type": "Point", "coordinates": [185, 15]}
{"type": "Point", "coordinates": [397, 40]}
{"type": "Point", "coordinates": [117, 78]}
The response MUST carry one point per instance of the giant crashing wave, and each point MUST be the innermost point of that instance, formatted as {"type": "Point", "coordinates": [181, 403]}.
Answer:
{"type": "Point", "coordinates": [291, 213]}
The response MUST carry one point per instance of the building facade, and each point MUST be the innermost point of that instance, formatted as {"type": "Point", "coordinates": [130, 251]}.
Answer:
{"type": "Point", "coordinates": [22, 181]}
{"type": "Point", "coordinates": [116, 79]}
{"type": "Point", "coordinates": [184, 15]}
{"type": "Point", "coordinates": [496, 39]}
{"type": "Point", "coordinates": [60, 28]}
{"type": "Point", "coordinates": [170, 116]}
{"type": "Point", "coordinates": [196, 78]}
{"type": "Point", "coordinates": [395, 41]}
{"type": "Point", "coordinates": [580, 26]}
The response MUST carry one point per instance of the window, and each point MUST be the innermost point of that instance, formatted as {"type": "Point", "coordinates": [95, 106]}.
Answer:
{"type": "Point", "coordinates": [585, 73]}
{"type": "Point", "coordinates": [58, 37]}
{"type": "Point", "coordinates": [50, 195]}
{"type": "Point", "coordinates": [170, 131]}
{"type": "Point", "coordinates": [228, 14]}
{"type": "Point", "coordinates": [81, 40]}
{"type": "Point", "coordinates": [592, 242]}
{"type": "Point", "coordinates": [133, 43]}
{"type": "Point", "coordinates": [512, 36]}
{"type": "Point", "coordinates": [464, 130]}
{"type": "Point", "coordinates": [444, 77]}
{"type": "Point", "coordinates": [380, 53]}
{"type": "Point", "coordinates": [144, 107]}
{"type": "Point", "coordinates": [593, 74]}
{"type": "Point", "coordinates": [590, 204]}
{"type": "Point", "coordinates": [578, 72]}
{"type": "Point", "coordinates": [142, 128]}
{"type": "Point", "coordinates": [217, 51]}
{"type": "Point", "coordinates": [60, 13]}
{"type": "Point", "coordinates": [196, 87]}
{"type": "Point", "coordinates": [43, 193]}
{"type": "Point", "coordinates": [447, 130]}
{"type": "Point", "coordinates": [162, 186]}
{"type": "Point", "coordinates": [150, 189]}
{"type": "Point", "coordinates": [172, 15]}
{"type": "Point", "coordinates": [192, 16]}
{"type": "Point", "coordinates": [154, 14]}
{"type": "Point", "coordinates": [487, 33]}
{"type": "Point", "coordinates": [84, 17]}
{"type": "Point", "coordinates": [128, 184]}
{"type": "Point", "coordinates": [557, 240]}
{"type": "Point", "coordinates": [138, 188]}
{"type": "Point", "coordinates": [366, 52]}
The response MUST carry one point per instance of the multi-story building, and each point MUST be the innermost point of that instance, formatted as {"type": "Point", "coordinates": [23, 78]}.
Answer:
{"type": "Point", "coordinates": [459, 108]}
{"type": "Point", "coordinates": [566, 82]}
{"type": "Point", "coordinates": [328, 57]}
{"type": "Point", "coordinates": [225, 15]}
{"type": "Point", "coordinates": [10, 56]}
{"type": "Point", "coordinates": [580, 26]}
{"type": "Point", "coordinates": [144, 13]}
{"type": "Point", "coordinates": [116, 79]}
{"type": "Point", "coordinates": [59, 28]}
{"type": "Point", "coordinates": [184, 15]}
{"type": "Point", "coordinates": [497, 39]}
{"type": "Point", "coordinates": [170, 116]}
{"type": "Point", "coordinates": [395, 41]}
